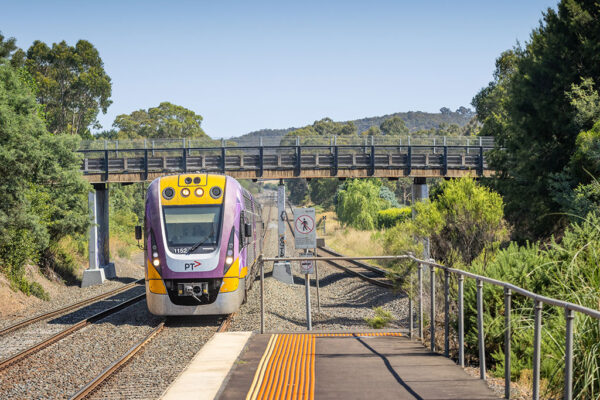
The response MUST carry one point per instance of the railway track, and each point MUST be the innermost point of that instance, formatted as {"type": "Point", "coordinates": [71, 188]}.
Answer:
{"type": "Point", "coordinates": [111, 370]}
{"type": "Point", "coordinates": [369, 273]}
{"type": "Point", "coordinates": [68, 308]}
{"type": "Point", "coordinates": [66, 332]}
{"type": "Point", "coordinates": [105, 375]}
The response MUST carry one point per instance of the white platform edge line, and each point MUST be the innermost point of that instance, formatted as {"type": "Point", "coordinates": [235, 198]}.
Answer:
{"type": "Point", "coordinates": [204, 377]}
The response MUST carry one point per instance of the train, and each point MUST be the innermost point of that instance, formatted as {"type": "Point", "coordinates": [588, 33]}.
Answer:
{"type": "Point", "coordinates": [202, 238]}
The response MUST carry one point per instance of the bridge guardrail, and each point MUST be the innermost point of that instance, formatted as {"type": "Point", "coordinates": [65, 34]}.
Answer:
{"type": "Point", "coordinates": [439, 141]}
{"type": "Point", "coordinates": [257, 159]}
{"type": "Point", "coordinates": [508, 288]}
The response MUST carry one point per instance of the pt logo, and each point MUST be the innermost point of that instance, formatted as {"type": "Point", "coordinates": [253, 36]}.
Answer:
{"type": "Point", "coordinates": [191, 266]}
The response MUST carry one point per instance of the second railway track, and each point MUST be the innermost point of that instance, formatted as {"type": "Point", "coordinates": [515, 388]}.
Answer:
{"type": "Point", "coordinates": [369, 273]}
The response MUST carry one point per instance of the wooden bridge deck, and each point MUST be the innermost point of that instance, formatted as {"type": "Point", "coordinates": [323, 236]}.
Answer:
{"type": "Point", "coordinates": [283, 162]}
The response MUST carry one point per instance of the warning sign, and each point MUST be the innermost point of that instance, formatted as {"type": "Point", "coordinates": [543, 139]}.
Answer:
{"type": "Point", "coordinates": [304, 228]}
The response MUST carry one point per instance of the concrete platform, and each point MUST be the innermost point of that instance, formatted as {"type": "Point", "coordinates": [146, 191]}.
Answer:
{"type": "Point", "coordinates": [204, 376]}
{"type": "Point", "coordinates": [378, 365]}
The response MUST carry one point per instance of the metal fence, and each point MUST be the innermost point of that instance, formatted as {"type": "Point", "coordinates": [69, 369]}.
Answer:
{"type": "Point", "coordinates": [485, 141]}
{"type": "Point", "coordinates": [509, 290]}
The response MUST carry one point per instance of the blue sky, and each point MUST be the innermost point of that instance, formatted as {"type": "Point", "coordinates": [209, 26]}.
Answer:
{"type": "Point", "coordinates": [244, 66]}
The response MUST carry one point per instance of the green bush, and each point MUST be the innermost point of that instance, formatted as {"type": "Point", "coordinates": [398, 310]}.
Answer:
{"type": "Point", "coordinates": [381, 319]}
{"type": "Point", "coordinates": [358, 202]}
{"type": "Point", "coordinates": [392, 217]}
{"type": "Point", "coordinates": [568, 271]}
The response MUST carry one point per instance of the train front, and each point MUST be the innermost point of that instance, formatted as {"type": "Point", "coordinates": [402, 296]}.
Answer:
{"type": "Point", "coordinates": [193, 266]}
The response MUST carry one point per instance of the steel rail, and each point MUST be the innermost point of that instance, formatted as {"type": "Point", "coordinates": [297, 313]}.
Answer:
{"type": "Point", "coordinates": [115, 366]}
{"type": "Point", "coordinates": [68, 308]}
{"type": "Point", "coordinates": [354, 261]}
{"type": "Point", "coordinates": [108, 372]}
{"type": "Point", "coordinates": [375, 281]}
{"type": "Point", "coordinates": [94, 318]}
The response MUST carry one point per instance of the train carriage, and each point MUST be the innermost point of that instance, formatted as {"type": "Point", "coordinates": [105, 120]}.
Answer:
{"type": "Point", "coordinates": [201, 239]}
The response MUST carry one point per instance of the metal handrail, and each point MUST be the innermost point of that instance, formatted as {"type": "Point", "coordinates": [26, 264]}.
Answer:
{"type": "Point", "coordinates": [509, 288]}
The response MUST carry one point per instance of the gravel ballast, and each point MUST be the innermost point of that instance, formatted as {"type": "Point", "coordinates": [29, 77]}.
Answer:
{"type": "Point", "coordinates": [345, 300]}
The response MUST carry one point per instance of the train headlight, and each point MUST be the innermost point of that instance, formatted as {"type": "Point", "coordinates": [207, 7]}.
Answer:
{"type": "Point", "coordinates": [185, 192]}
{"type": "Point", "coordinates": [168, 193]}
{"type": "Point", "coordinates": [215, 192]}
{"type": "Point", "coordinates": [155, 255]}
{"type": "Point", "coordinates": [199, 192]}
{"type": "Point", "coordinates": [156, 262]}
{"type": "Point", "coordinates": [229, 256]}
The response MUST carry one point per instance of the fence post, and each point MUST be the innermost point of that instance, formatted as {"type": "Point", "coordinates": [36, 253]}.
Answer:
{"type": "Point", "coordinates": [537, 339]}
{"type": "Point", "coordinates": [106, 171]}
{"type": "Point", "coordinates": [410, 314]}
{"type": "Point", "coordinates": [447, 313]}
{"type": "Point", "coordinates": [569, 354]}
{"type": "Point", "coordinates": [223, 164]}
{"type": "Point", "coordinates": [262, 295]}
{"type": "Point", "coordinates": [420, 278]}
{"type": "Point", "coordinates": [507, 338]}
{"type": "Point", "coordinates": [461, 321]}
{"type": "Point", "coordinates": [432, 308]}
{"type": "Point", "coordinates": [184, 159]}
{"type": "Point", "coordinates": [145, 164]}
{"type": "Point", "coordinates": [480, 161]}
{"type": "Point", "coordinates": [445, 161]}
{"type": "Point", "coordinates": [372, 160]}
{"type": "Point", "coordinates": [480, 335]}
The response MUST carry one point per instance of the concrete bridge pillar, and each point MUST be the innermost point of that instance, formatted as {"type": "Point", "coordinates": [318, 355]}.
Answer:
{"type": "Point", "coordinates": [100, 267]}
{"type": "Point", "coordinates": [420, 192]}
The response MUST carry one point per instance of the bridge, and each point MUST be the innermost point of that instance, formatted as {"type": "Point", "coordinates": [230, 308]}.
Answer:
{"type": "Point", "coordinates": [276, 158]}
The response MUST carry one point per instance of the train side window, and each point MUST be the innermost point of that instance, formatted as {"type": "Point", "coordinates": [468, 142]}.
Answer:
{"type": "Point", "coordinates": [241, 230]}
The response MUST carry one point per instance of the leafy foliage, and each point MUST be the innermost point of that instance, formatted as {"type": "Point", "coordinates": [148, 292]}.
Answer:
{"type": "Point", "coordinates": [322, 191]}
{"type": "Point", "coordinates": [381, 319]}
{"type": "Point", "coordinates": [72, 84]}
{"type": "Point", "coordinates": [358, 202]}
{"type": "Point", "coordinates": [566, 270]}
{"type": "Point", "coordinates": [392, 216]}
{"type": "Point", "coordinates": [297, 190]}
{"type": "Point", "coordinates": [394, 126]}
{"type": "Point", "coordinates": [42, 194]}
{"type": "Point", "coordinates": [164, 122]}
{"type": "Point", "coordinates": [542, 96]}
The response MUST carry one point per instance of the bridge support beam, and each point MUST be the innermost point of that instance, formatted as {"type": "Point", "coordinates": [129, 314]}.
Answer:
{"type": "Point", "coordinates": [100, 267]}
{"type": "Point", "coordinates": [420, 192]}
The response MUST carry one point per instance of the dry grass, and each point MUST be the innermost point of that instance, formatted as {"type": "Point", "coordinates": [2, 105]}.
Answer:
{"type": "Point", "coordinates": [347, 240]}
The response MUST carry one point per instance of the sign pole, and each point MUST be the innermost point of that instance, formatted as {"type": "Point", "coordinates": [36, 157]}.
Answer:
{"type": "Point", "coordinates": [317, 283]}
{"type": "Point", "coordinates": [307, 285]}
{"type": "Point", "coordinates": [282, 216]}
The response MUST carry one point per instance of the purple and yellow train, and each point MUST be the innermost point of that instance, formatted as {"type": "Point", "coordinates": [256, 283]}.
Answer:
{"type": "Point", "coordinates": [202, 236]}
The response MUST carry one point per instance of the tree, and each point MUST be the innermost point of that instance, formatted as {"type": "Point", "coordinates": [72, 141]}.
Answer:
{"type": "Point", "coordinates": [165, 121]}
{"type": "Point", "coordinates": [7, 46]}
{"type": "Point", "coordinates": [322, 191]}
{"type": "Point", "coordinates": [326, 127]}
{"type": "Point", "coordinates": [358, 202]}
{"type": "Point", "coordinates": [394, 126]}
{"type": "Point", "coordinates": [297, 189]}
{"type": "Point", "coordinates": [372, 131]}
{"type": "Point", "coordinates": [72, 84]}
{"type": "Point", "coordinates": [42, 193]}
{"type": "Point", "coordinates": [530, 110]}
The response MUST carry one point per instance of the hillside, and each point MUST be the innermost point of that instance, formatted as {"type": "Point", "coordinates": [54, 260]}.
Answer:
{"type": "Point", "coordinates": [414, 120]}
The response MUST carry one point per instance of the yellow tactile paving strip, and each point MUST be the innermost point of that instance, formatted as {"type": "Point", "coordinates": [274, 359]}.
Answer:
{"type": "Point", "coordinates": [287, 367]}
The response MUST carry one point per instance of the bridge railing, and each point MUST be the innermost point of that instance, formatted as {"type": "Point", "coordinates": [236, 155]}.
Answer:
{"type": "Point", "coordinates": [509, 290]}
{"type": "Point", "coordinates": [335, 156]}
{"type": "Point", "coordinates": [439, 141]}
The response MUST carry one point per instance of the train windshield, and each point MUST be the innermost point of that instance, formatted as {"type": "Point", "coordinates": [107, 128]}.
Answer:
{"type": "Point", "coordinates": [195, 228]}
